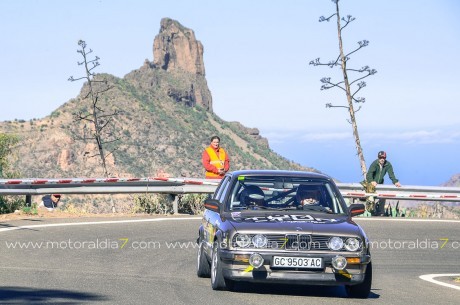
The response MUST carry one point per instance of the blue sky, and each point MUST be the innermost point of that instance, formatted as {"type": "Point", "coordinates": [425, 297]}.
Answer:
{"type": "Point", "coordinates": [256, 56]}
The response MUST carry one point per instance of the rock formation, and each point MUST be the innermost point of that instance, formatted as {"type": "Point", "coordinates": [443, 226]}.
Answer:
{"type": "Point", "coordinates": [176, 48]}
{"type": "Point", "coordinates": [176, 51]}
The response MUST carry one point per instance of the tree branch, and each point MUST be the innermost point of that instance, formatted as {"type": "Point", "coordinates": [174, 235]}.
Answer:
{"type": "Point", "coordinates": [369, 73]}
{"type": "Point", "coordinates": [326, 80]}
{"type": "Point", "coordinates": [362, 44]}
{"type": "Point", "coordinates": [322, 18]}
{"type": "Point", "coordinates": [347, 21]}
{"type": "Point", "coordinates": [360, 86]}
{"type": "Point", "coordinates": [329, 105]}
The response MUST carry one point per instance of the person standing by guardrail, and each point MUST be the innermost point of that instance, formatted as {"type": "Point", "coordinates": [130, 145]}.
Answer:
{"type": "Point", "coordinates": [215, 160]}
{"type": "Point", "coordinates": [376, 173]}
{"type": "Point", "coordinates": [379, 168]}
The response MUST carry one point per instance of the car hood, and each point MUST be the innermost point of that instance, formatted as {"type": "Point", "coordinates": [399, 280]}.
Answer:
{"type": "Point", "coordinates": [308, 223]}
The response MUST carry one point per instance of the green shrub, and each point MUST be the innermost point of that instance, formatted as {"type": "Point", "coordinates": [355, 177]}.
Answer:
{"type": "Point", "coordinates": [192, 204]}
{"type": "Point", "coordinates": [153, 204]}
{"type": "Point", "coordinates": [9, 204]}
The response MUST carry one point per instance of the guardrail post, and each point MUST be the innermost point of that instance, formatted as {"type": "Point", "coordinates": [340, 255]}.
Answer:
{"type": "Point", "coordinates": [381, 207]}
{"type": "Point", "coordinates": [175, 204]}
{"type": "Point", "coordinates": [28, 200]}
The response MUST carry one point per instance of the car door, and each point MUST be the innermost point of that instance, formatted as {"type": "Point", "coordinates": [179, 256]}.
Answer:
{"type": "Point", "coordinates": [211, 219]}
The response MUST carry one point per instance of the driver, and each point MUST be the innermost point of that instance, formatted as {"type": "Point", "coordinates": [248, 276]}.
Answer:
{"type": "Point", "coordinates": [309, 198]}
{"type": "Point", "coordinates": [252, 195]}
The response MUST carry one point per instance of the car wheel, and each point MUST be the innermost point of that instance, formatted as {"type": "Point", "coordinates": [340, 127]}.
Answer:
{"type": "Point", "coordinates": [361, 291]}
{"type": "Point", "coordinates": [203, 268]}
{"type": "Point", "coordinates": [218, 282]}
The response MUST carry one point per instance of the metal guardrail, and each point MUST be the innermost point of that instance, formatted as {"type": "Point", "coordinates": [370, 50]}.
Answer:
{"type": "Point", "coordinates": [175, 186]}
{"type": "Point", "coordinates": [408, 192]}
{"type": "Point", "coordinates": [105, 186]}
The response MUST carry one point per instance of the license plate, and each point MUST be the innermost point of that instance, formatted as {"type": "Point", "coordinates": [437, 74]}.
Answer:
{"type": "Point", "coordinates": [297, 262]}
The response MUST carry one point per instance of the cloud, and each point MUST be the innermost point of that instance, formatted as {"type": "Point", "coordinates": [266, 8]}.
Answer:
{"type": "Point", "coordinates": [417, 137]}
{"type": "Point", "coordinates": [326, 136]}
{"type": "Point", "coordinates": [283, 136]}
{"type": "Point", "coordinates": [438, 136]}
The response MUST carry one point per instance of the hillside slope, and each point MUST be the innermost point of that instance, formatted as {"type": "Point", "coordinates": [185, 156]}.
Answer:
{"type": "Point", "coordinates": [165, 123]}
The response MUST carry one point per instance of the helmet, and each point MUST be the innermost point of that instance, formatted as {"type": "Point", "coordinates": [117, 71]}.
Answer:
{"type": "Point", "coordinates": [252, 195]}
{"type": "Point", "coordinates": [382, 155]}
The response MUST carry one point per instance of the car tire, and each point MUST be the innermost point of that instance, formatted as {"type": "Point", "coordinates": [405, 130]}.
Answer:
{"type": "Point", "coordinates": [203, 268]}
{"type": "Point", "coordinates": [218, 282]}
{"type": "Point", "coordinates": [361, 291]}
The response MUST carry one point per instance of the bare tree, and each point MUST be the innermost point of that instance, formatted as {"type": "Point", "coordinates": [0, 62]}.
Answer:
{"type": "Point", "coordinates": [98, 119]}
{"type": "Point", "coordinates": [346, 84]}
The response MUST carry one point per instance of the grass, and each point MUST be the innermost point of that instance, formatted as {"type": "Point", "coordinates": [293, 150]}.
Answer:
{"type": "Point", "coordinates": [30, 210]}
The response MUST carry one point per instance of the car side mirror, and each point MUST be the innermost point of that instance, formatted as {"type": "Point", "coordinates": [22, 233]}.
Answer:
{"type": "Point", "coordinates": [212, 204]}
{"type": "Point", "coordinates": [356, 209]}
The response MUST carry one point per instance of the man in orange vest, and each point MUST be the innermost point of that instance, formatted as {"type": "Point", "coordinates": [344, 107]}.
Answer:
{"type": "Point", "coordinates": [215, 160]}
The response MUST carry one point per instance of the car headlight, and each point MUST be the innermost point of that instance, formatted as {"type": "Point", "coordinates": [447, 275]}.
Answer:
{"type": "Point", "coordinates": [256, 260]}
{"type": "Point", "coordinates": [335, 243]}
{"type": "Point", "coordinates": [339, 262]}
{"type": "Point", "coordinates": [243, 240]}
{"type": "Point", "coordinates": [259, 241]}
{"type": "Point", "coordinates": [352, 244]}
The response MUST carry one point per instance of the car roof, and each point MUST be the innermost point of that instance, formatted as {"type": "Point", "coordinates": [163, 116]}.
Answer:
{"type": "Point", "coordinates": [280, 173]}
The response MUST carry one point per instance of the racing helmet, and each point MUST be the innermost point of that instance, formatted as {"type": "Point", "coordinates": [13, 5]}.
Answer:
{"type": "Point", "coordinates": [252, 195]}
{"type": "Point", "coordinates": [382, 155]}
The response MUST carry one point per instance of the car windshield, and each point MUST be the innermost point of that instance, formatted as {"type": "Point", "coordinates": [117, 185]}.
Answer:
{"type": "Point", "coordinates": [285, 193]}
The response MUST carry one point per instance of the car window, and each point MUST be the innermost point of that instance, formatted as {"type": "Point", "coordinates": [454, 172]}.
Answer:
{"type": "Point", "coordinates": [284, 193]}
{"type": "Point", "coordinates": [224, 192]}
{"type": "Point", "coordinates": [221, 188]}
{"type": "Point", "coordinates": [336, 200]}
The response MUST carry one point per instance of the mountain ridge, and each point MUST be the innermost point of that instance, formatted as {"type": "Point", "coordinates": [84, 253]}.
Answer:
{"type": "Point", "coordinates": [166, 122]}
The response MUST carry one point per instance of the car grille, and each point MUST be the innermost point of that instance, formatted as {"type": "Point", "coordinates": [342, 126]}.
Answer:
{"type": "Point", "coordinates": [293, 242]}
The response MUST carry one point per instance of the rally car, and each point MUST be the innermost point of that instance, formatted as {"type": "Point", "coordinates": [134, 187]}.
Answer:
{"type": "Point", "coordinates": [282, 227]}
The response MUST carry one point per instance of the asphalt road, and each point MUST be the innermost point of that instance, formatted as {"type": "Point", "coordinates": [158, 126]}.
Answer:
{"type": "Point", "coordinates": [153, 262]}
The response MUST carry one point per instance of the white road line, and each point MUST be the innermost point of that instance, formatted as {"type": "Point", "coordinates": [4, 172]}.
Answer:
{"type": "Point", "coordinates": [430, 278]}
{"type": "Point", "coordinates": [93, 223]}
{"type": "Point", "coordinates": [405, 219]}
{"type": "Point", "coordinates": [197, 218]}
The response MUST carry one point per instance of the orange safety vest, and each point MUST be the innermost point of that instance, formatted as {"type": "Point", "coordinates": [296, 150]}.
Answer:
{"type": "Point", "coordinates": [217, 161]}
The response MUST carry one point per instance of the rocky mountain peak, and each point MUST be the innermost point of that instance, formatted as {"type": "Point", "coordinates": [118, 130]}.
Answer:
{"type": "Point", "coordinates": [176, 48]}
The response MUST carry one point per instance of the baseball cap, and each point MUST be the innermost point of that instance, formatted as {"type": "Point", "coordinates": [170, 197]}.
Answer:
{"type": "Point", "coordinates": [382, 155]}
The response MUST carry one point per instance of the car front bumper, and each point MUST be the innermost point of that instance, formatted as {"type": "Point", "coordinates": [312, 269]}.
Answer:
{"type": "Point", "coordinates": [243, 271]}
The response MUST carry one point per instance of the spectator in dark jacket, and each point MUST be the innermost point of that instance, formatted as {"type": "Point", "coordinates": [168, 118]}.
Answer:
{"type": "Point", "coordinates": [379, 168]}
{"type": "Point", "coordinates": [51, 201]}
